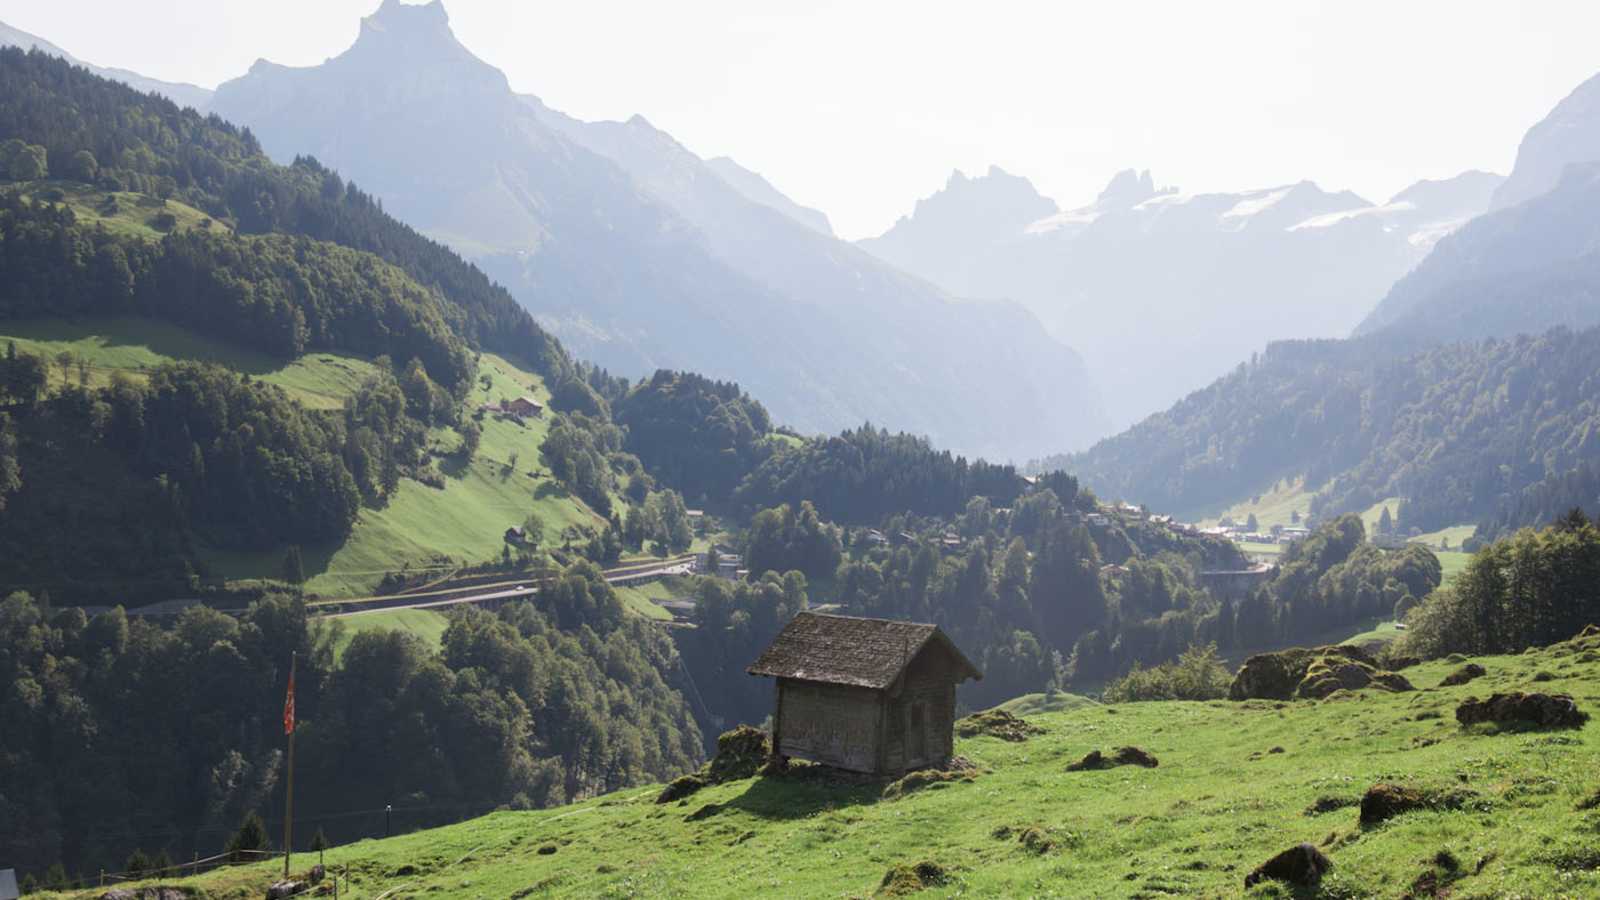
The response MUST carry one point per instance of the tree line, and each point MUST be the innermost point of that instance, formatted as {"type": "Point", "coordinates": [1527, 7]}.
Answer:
{"type": "Point", "coordinates": [1533, 588]}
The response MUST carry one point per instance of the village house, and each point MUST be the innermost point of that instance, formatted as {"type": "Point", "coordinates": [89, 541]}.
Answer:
{"type": "Point", "coordinates": [867, 695]}
{"type": "Point", "coordinates": [517, 535]}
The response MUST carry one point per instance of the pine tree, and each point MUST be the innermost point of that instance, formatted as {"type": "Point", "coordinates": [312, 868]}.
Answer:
{"type": "Point", "coordinates": [1385, 522]}
{"type": "Point", "coordinates": [319, 841]}
{"type": "Point", "coordinates": [251, 836]}
{"type": "Point", "coordinates": [137, 865]}
{"type": "Point", "coordinates": [294, 570]}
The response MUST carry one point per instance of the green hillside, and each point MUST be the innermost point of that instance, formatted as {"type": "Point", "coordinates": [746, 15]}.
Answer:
{"type": "Point", "coordinates": [1237, 782]}
{"type": "Point", "coordinates": [428, 528]}
{"type": "Point", "coordinates": [426, 624]}
{"type": "Point", "coordinates": [124, 212]}
{"type": "Point", "coordinates": [131, 346]}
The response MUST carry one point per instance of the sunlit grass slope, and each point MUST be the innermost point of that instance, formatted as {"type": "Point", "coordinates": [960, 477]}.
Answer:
{"type": "Point", "coordinates": [133, 346]}
{"type": "Point", "coordinates": [123, 212]}
{"type": "Point", "coordinates": [1275, 506]}
{"type": "Point", "coordinates": [1224, 798]}
{"type": "Point", "coordinates": [426, 624]}
{"type": "Point", "coordinates": [426, 528]}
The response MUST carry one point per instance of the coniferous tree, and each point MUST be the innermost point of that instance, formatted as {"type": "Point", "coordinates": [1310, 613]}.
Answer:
{"type": "Point", "coordinates": [249, 839]}
{"type": "Point", "coordinates": [294, 570]}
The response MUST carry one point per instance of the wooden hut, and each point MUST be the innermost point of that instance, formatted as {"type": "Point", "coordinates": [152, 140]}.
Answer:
{"type": "Point", "coordinates": [868, 695]}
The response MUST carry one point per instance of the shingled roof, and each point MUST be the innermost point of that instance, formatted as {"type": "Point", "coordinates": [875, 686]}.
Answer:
{"type": "Point", "coordinates": [867, 653]}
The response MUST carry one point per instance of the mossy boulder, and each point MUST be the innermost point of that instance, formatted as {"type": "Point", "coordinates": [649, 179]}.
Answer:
{"type": "Point", "coordinates": [1278, 675]}
{"type": "Point", "coordinates": [1338, 669]}
{"type": "Point", "coordinates": [1539, 710]}
{"type": "Point", "coordinates": [997, 723]}
{"type": "Point", "coordinates": [680, 787]}
{"type": "Point", "coordinates": [740, 754]}
{"type": "Point", "coordinates": [1463, 675]}
{"type": "Point", "coordinates": [910, 878]}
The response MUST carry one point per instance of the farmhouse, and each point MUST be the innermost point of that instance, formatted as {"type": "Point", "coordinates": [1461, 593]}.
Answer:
{"type": "Point", "coordinates": [867, 695]}
{"type": "Point", "coordinates": [523, 406]}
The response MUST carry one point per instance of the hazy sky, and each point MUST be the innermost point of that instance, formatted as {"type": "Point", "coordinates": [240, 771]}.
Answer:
{"type": "Point", "coordinates": [859, 107]}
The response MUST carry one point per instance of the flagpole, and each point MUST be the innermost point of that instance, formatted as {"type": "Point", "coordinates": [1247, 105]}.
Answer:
{"type": "Point", "coordinates": [288, 799]}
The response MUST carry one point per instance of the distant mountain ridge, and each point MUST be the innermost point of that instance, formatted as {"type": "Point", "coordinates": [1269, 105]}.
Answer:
{"type": "Point", "coordinates": [640, 255]}
{"type": "Point", "coordinates": [1468, 390]}
{"type": "Point", "coordinates": [1569, 134]}
{"type": "Point", "coordinates": [1531, 263]}
{"type": "Point", "coordinates": [180, 93]}
{"type": "Point", "coordinates": [758, 190]}
{"type": "Point", "coordinates": [1145, 277]}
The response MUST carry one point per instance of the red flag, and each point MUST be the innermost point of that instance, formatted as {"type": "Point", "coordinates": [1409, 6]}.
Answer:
{"type": "Point", "coordinates": [288, 706]}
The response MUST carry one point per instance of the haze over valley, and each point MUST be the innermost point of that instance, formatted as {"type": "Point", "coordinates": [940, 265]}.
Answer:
{"type": "Point", "coordinates": [428, 475]}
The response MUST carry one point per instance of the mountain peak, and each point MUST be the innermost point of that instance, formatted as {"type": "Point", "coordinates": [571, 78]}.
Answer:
{"type": "Point", "coordinates": [410, 29]}
{"type": "Point", "coordinates": [392, 15]}
{"type": "Point", "coordinates": [1129, 187]}
{"type": "Point", "coordinates": [1569, 134]}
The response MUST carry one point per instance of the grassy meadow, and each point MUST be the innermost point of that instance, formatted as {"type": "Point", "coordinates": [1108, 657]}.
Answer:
{"type": "Point", "coordinates": [132, 346]}
{"type": "Point", "coordinates": [1237, 782]}
{"type": "Point", "coordinates": [122, 212]}
{"type": "Point", "coordinates": [428, 625]}
{"type": "Point", "coordinates": [640, 598]}
{"type": "Point", "coordinates": [1275, 506]}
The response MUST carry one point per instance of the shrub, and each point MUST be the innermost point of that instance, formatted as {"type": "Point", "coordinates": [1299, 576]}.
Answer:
{"type": "Point", "coordinates": [1197, 675]}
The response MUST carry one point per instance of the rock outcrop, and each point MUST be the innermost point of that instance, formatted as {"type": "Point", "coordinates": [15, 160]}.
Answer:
{"type": "Point", "coordinates": [1311, 674]}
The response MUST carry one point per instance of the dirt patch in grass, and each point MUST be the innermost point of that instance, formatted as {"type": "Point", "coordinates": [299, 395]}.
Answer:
{"type": "Point", "coordinates": [997, 723]}
{"type": "Point", "coordinates": [1123, 756]}
{"type": "Point", "coordinates": [1384, 801]}
{"type": "Point", "coordinates": [1035, 839]}
{"type": "Point", "coordinates": [1328, 804]}
{"type": "Point", "coordinates": [1302, 865]}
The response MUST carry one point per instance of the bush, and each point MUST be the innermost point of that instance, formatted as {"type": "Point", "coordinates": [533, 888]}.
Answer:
{"type": "Point", "coordinates": [1197, 675]}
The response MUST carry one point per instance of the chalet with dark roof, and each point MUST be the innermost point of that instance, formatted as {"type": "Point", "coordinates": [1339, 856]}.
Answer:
{"type": "Point", "coordinates": [867, 695]}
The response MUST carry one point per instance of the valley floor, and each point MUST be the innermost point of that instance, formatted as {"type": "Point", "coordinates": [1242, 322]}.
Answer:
{"type": "Point", "coordinates": [1237, 783]}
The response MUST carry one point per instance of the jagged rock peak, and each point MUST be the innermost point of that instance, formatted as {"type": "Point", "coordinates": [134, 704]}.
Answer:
{"type": "Point", "coordinates": [392, 15]}
{"type": "Point", "coordinates": [1128, 187]}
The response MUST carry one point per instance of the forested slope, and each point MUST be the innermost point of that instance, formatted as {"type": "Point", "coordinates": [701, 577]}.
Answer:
{"type": "Point", "coordinates": [1457, 430]}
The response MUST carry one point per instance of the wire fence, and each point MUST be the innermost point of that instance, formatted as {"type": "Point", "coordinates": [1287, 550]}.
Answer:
{"type": "Point", "coordinates": [192, 867]}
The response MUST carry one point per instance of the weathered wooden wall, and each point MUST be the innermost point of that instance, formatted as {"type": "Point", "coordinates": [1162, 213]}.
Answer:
{"type": "Point", "coordinates": [921, 714]}
{"type": "Point", "coordinates": [829, 723]}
